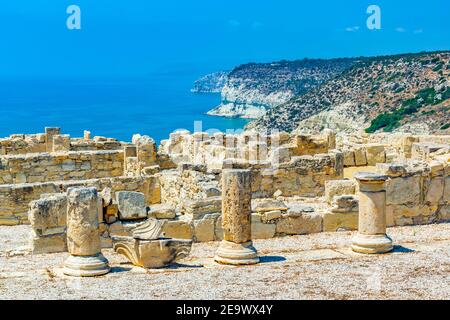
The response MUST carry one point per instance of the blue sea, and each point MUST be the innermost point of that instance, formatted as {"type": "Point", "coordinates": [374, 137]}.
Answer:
{"type": "Point", "coordinates": [154, 105]}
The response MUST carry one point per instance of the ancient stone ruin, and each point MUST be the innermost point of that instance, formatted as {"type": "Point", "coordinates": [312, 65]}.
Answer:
{"type": "Point", "coordinates": [151, 202]}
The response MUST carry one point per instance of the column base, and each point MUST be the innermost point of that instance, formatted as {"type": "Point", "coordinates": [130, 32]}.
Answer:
{"type": "Point", "coordinates": [236, 253]}
{"type": "Point", "coordinates": [86, 266]}
{"type": "Point", "coordinates": [372, 244]}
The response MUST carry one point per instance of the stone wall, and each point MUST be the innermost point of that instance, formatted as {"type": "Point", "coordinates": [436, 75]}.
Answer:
{"type": "Point", "coordinates": [40, 167]}
{"type": "Point", "coordinates": [14, 198]}
{"type": "Point", "coordinates": [23, 143]}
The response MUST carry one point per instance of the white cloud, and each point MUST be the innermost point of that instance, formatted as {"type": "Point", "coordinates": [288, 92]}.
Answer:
{"type": "Point", "coordinates": [418, 31]}
{"type": "Point", "coordinates": [352, 29]}
{"type": "Point", "coordinates": [400, 29]}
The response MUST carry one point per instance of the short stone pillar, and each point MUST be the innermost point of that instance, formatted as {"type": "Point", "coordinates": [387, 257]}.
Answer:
{"type": "Point", "coordinates": [371, 236]}
{"type": "Point", "coordinates": [49, 133]}
{"type": "Point", "coordinates": [236, 247]}
{"type": "Point", "coordinates": [86, 135]}
{"type": "Point", "coordinates": [83, 237]}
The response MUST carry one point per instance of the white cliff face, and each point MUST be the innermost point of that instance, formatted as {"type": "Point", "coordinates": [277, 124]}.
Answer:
{"type": "Point", "coordinates": [248, 103]}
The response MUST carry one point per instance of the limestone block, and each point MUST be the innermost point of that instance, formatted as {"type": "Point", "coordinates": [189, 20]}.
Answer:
{"type": "Point", "coordinates": [403, 190]}
{"type": "Point", "coordinates": [118, 229]}
{"type": "Point", "coordinates": [344, 203]}
{"type": "Point", "coordinates": [349, 158]}
{"type": "Point", "coordinates": [162, 211]}
{"type": "Point", "coordinates": [196, 209]}
{"type": "Point", "coordinates": [266, 205]}
{"type": "Point", "coordinates": [49, 244]}
{"type": "Point", "coordinates": [178, 229]}
{"type": "Point", "coordinates": [262, 230]}
{"type": "Point", "coordinates": [280, 155]}
{"type": "Point", "coordinates": [131, 205]}
{"type": "Point", "coordinates": [336, 221]}
{"type": "Point", "coordinates": [204, 229]}
{"type": "Point", "coordinates": [375, 153]}
{"type": "Point", "coordinates": [360, 156]}
{"type": "Point", "coordinates": [48, 213]}
{"type": "Point", "coordinates": [271, 215]}
{"type": "Point", "coordinates": [435, 190]}
{"type": "Point", "coordinates": [83, 238]}
{"type": "Point", "coordinates": [339, 187]}
{"type": "Point", "coordinates": [305, 224]}
{"type": "Point", "coordinates": [61, 142]}
{"type": "Point", "coordinates": [392, 170]}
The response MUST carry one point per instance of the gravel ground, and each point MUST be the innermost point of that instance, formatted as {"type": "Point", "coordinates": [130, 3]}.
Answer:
{"type": "Point", "coordinates": [318, 266]}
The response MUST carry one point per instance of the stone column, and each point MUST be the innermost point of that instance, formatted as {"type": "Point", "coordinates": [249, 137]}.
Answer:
{"type": "Point", "coordinates": [83, 238]}
{"type": "Point", "coordinates": [371, 236]}
{"type": "Point", "coordinates": [237, 247]}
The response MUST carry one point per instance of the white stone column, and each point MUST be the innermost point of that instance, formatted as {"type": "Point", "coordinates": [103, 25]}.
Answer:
{"type": "Point", "coordinates": [83, 238]}
{"type": "Point", "coordinates": [237, 247]}
{"type": "Point", "coordinates": [371, 236]}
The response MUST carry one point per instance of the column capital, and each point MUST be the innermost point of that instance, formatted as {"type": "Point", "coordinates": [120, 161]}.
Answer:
{"type": "Point", "coordinates": [371, 181]}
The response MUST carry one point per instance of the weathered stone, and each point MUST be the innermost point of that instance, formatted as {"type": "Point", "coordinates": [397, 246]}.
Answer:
{"type": "Point", "coordinates": [83, 238]}
{"type": "Point", "coordinates": [106, 196]}
{"type": "Point", "coordinates": [237, 247]}
{"type": "Point", "coordinates": [204, 228]}
{"type": "Point", "coordinates": [47, 213]}
{"type": "Point", "coordinates": [338, 187]}
{"type": "Point", "coordinates": [236, 202]}
{"type": "Point", "coordinates": [162, 211]}
{"type": "Point", "coordinates": [265, 205]}
{"type": "Point", "coordinates": [131, 205]}
{"type": "Point", "coordinates": [337, 221]}
{"type": "Point", "coordinates": [435, 190]}
{"type": "Point", "coordinates": [262, 230]}
{"type": "Point", "coordinates": [306, 223]}
{"type": "Point", "coordinates": [360, 156]}
{"type": "Point", "coordinates": [345, 203]}
{"type": "Point", "coordinates": [349, 158]}
{"type": "Point", "coordinates": [403, 190]}
{"type": "Point", "coordinates": [49, 244]}
{"type": "Point", "coordinates": [271, 215]}
{"type": "Point", "coordinates": [375, 153]}
{"type": "Point", "coordinates": [178, 229]}
{"type": "Point", "coordinates": [152, 253]}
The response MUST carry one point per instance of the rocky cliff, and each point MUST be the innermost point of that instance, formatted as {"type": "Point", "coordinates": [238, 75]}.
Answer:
{"type": "Point", "coordinates": [251, 89]}
{"type": "Point", "coordinates": [408, 92]}
{"type": "Point", "coordinates": [211, 83]}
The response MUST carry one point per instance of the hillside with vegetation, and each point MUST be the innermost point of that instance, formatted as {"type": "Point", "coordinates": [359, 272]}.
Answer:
{"type": "Point", "coordinates": [251, 89]}
{"type": "Point", "coordinates": [409, 92]}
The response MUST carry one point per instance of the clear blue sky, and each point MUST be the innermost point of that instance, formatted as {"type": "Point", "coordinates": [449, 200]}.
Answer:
{"type": "Point", "coordinates": [137, 37]}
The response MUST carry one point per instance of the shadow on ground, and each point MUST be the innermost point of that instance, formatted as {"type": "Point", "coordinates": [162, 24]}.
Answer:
{"type": "Point", "coordinates": [266, 259]}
